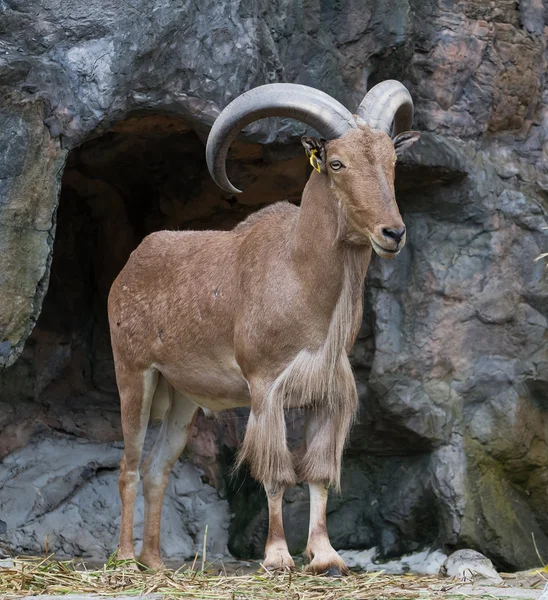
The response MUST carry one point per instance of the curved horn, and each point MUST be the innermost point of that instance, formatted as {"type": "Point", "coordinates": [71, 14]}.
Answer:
{"type": "Point", "coordinates": [386, 103]}
{"type": "Point", "coordinates": [313, 107]}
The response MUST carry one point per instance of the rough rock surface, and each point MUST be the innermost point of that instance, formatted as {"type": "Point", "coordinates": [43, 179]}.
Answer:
{"type": "Point", "coordinates": [50, 502]}
{"type": "Point", "coordinates": [425, 562]}
{"type": "Point", "coordinates": [469, 565]}
{"type": "Point", "coordinates": [452, 359]}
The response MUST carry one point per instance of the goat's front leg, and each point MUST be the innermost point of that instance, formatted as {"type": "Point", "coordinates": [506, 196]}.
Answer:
{"type": "Point", "coordinates": [325, 433]}
{"type": "Point", "coordinates": [276, 552]}
{"type": "Point", "coordinates": [324, 558]}
{"type": "Point", "coordinates": [265, 450]}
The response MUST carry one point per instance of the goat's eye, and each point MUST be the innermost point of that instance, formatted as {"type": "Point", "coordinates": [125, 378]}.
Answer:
{"type": "Point", "coordinates": [336, 165]}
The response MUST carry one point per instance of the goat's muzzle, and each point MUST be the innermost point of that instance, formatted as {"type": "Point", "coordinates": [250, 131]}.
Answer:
{"type": "Point", "coordinates": [388, 241]}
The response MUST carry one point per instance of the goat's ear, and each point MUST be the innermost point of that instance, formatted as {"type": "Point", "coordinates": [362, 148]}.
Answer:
{"type": "Point", "coordinates": [315, 150]}
{"type": "Point", "coordinates": [404, 140]}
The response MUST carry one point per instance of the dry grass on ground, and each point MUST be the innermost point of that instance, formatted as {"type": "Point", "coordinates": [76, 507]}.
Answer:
{"type": "Point", "coordinates": [47, 576]}
{"type": "Point", "coordinates": [42, 576]}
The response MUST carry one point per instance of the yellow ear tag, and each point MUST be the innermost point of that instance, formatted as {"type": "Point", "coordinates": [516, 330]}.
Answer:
{"type": "Point", "coordinates": [314, 161]}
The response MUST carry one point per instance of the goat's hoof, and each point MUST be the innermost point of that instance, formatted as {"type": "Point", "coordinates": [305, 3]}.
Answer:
{"type": "Point", "coordinates": [328, 570]}
{"type": "Point", "coordinates": [153, 563]}
{"type": "Point", "coordinates": [125, 559]}
{"type": "Point", "coordinates": [278, 560]}
{"type": "Point", "coordinates": [330, 566]}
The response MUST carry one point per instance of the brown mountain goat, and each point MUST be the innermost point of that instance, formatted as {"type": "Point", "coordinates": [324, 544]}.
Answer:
{"type": "Point", "coordinates": [263, 315]}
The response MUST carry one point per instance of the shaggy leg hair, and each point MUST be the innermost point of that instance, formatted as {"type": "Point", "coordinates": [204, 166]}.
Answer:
{"type": "Point", "coordinates": [327, 429]}
{"type": "Point", "coordinates": [265, 445]}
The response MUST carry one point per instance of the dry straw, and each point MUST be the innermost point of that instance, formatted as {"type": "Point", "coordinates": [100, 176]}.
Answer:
{"type": "Point", "coordinates": [30, 576]}
{"type": "Point", "coordinates": [47, 576]}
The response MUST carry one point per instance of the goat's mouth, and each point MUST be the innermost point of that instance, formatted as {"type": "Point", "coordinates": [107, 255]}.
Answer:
{"type": "Point", "coordinates": [385, 252]}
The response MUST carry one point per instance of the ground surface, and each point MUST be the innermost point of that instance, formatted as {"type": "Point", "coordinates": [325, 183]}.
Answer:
{"type": "Point", "coordinates": [49, 579]}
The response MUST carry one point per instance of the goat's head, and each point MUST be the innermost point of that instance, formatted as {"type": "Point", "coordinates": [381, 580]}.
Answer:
{"type": "Point", "coordinates": [356, 154]}
{"type": "Point", "coordinates": [360, 169]}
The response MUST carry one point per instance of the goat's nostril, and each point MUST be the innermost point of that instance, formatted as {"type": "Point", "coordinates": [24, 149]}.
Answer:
{"type": "Point", "coordinates": [394, 234]}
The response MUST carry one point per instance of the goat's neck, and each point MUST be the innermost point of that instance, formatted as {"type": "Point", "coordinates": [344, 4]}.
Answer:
{"type": "Point", "coordinates": [318, 224]}
{"type": "Point", "coordinates": [330, 268]}
{"type": "Point", "coordinates": [318, 243]}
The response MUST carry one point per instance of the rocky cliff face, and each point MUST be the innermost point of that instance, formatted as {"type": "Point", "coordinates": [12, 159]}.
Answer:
{"type": "Point", "coordinates": [104, 110]}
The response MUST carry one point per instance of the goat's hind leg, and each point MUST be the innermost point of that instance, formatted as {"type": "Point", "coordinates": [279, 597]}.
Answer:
{"type": "Point", "coordinates": [172, 439]}
{"type": "Point", "coordinates": [136, 389]}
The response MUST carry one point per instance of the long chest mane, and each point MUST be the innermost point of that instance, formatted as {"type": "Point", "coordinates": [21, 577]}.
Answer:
{"type": "Point", "coordinates": [324, 375]}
